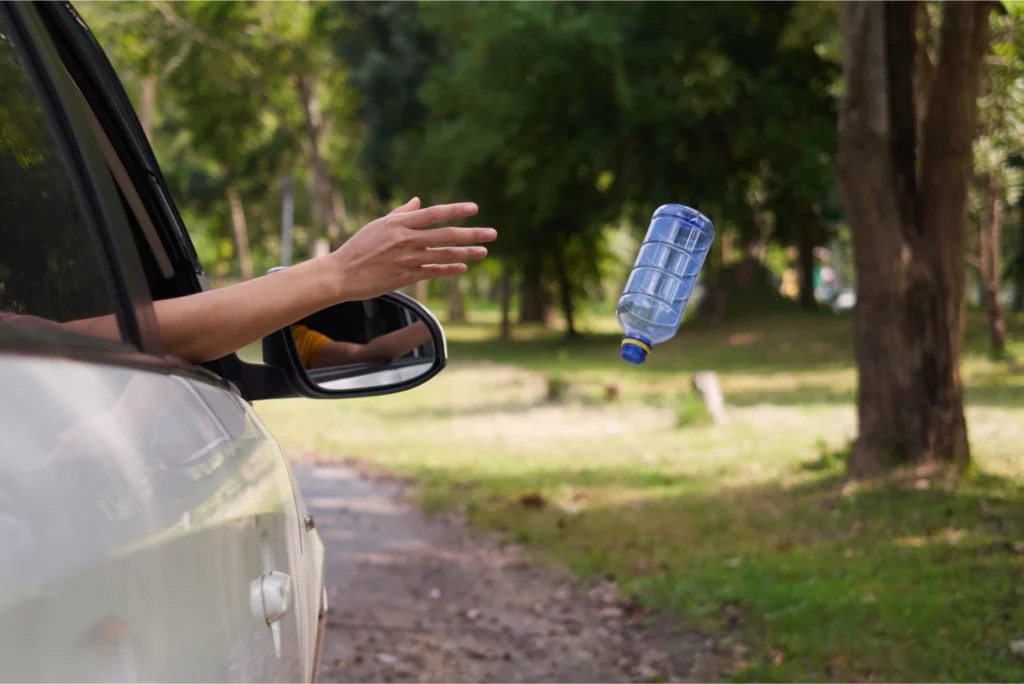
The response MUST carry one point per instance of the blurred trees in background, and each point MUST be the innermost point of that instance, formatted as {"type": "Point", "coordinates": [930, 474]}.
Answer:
{"type": "Point", "coordinates": [570, 122]}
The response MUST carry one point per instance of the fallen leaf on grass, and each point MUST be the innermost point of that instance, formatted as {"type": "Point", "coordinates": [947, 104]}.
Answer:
{"type": "Point", "coordinates": [534, 501]}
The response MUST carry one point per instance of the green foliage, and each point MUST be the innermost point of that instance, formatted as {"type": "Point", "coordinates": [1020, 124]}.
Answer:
{"type": "Point", "coordinates": [691, 412]}
{"type": "Point", "coordinates": [23, 132]}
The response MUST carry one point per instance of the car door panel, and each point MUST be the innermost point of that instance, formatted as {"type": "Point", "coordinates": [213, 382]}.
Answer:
{"type": "Point", "coordinates": [127, 536]}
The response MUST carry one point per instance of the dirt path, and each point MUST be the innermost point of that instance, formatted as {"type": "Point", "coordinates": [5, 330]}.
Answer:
{"type": "Point", "coordinates": [414, 599]}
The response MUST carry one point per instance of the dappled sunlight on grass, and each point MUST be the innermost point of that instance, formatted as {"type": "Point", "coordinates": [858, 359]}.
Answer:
{"type": "Point", "coordinates": [747, 531]}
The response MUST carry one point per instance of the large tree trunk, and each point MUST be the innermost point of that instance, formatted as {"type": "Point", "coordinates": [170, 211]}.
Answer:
{"type": "Point", "coordinates": [533, 300]}
{"type": "Point", "coordinates": [565, 290]}
{"type": "Point", "coordinates": [991, 264]}
{"type": "Point", "coordinates": [241, 233]}
{"type": "Point", "coordinates": [456, 303]}
{"type": "Point", "coordinates": [908, 230]}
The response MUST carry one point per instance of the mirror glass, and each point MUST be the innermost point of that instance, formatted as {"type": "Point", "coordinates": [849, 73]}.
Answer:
{"type": "Point", "coordinates": [364, 345]}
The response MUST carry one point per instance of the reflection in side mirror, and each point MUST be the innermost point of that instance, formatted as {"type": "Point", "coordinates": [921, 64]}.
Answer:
{"type": "Point", "coordinates": [377, 345]}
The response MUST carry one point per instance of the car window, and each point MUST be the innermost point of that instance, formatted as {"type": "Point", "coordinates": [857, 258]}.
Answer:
{"type": "Point", "coordinates": [50, 269]}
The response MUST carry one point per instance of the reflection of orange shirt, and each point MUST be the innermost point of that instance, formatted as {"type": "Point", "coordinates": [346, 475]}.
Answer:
{"type": "Point", "coordinates": [309, 343]}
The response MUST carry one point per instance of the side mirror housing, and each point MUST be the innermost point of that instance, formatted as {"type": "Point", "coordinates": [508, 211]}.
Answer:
{"type": "Point", "coordinates": [368, 348]}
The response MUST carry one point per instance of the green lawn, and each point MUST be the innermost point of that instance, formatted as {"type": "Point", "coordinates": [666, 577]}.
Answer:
{"type": "Point", "coordinates": [747, 531]}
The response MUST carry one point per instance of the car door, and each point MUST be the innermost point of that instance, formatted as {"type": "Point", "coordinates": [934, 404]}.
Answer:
{"type": "Point", "coordinates": [128, 548]}
{"type": "Point", "coordinates": [282, 531]}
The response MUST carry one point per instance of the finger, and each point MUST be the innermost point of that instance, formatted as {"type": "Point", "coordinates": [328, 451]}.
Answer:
{"type": "Point", "coordinates": [430, 271]}
{"type": "Point", "coordinates": [411, 205]}
{"type": "Point", "coordinates": [421, 218]}
{"type": "Point", "coordinates": [441, 237]}
{"type": "Point", "coordinates": [452, 255]}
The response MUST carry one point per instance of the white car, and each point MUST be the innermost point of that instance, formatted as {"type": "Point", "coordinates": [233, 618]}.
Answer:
{"type": "Point", "coordinates": [150, 527]}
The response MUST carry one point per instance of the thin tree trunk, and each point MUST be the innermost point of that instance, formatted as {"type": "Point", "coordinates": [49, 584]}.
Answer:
{"type": "Point", "coordinates": [147, 105]}
{"type": "Point", "coordinates": [1018, 295]}
{"type": "Point", "coordinates": [533, 300]}
{"type": "Point", "coordinates": [325, 194]}
{"type": "Point", "coordinates": [287, 218]}
{"type": "Point", "coordinates": [421, 291]}
{"type": "Point", "coordinates": [925, 67]}
{"type": "Point", "coordinates": [727, 248]}
{"type": "Point", "coordinates": [241, 233]}
{"type": "Point", "coordinates": [456, 302]}
{"type": "Point", "coordinates": [506, 301]}
{"type": "Point", "coordinates": [805, 250]}
{"type": "Point", "coordinates": [908, 231]}
{"type": "Point", "coordinates": [991, 265]}
{"type": "Point", "coordinates": [565, 290]}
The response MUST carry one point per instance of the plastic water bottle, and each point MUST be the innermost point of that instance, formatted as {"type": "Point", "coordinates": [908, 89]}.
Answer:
{"type": "Point", "coordinates": [651, 307]}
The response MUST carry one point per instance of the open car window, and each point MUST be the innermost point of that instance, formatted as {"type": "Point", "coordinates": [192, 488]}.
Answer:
{"type": "Point", "coordinates": [52, 275]}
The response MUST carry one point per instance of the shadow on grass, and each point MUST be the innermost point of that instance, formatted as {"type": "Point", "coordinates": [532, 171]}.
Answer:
{"type": "Point", "coordinates": [765, 344]}
{"type": "Point", "coordinates": [822, 580]}
{"type": "Point", "coordinates": [988, 393]}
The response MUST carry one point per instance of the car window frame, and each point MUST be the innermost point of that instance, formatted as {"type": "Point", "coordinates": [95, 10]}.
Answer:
{"type": "Point", "coordinates": [91, 69]}
{"type": "Point", "coordinates": [91, 184]}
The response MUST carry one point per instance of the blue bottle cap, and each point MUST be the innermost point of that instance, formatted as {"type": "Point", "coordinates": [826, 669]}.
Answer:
{"type": "Point", "coordinates": [635, 349]}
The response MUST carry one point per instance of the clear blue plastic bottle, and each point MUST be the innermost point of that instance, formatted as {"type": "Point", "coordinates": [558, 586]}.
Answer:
{"type": "Point", "coordinates": [651, 307]}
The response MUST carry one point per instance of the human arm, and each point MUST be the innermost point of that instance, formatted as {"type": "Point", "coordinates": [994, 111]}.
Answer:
{"type": "Point", "coordinates": [393, 345]}
{"type": "Point", "coordinates": [387, 254]}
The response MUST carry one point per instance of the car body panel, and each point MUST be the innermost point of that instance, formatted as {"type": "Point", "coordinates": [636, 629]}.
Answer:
{"type": "Point", "coordinates": [136, 508]}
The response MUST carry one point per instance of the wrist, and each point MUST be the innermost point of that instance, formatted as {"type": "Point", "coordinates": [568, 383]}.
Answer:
{"type": "Point", "coordinates": [322, 281]}
{"type": "Point", "coordinates": [331, 278]}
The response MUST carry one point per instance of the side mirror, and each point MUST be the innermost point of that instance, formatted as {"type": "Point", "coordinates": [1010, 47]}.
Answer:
{"type": "Point", "coordinates": [378, 346]}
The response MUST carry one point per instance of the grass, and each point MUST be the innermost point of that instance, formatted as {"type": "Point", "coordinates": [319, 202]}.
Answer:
{"type": "Point", "coordinates": [747, 531]}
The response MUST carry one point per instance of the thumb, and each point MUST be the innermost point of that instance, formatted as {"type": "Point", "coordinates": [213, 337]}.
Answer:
{"type": "Point", "coordinates": [411, 205]}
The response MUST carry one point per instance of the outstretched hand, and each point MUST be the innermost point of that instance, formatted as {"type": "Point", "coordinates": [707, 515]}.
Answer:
{"type": "Point", "coordinates": [395, 251]}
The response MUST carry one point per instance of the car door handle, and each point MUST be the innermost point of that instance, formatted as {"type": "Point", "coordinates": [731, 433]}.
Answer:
{"type": "Point", "coordinates": [270, 598]}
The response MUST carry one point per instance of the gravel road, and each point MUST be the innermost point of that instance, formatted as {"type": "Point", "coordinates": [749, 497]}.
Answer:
{"type": "Point", "coordinates": [422, 600]}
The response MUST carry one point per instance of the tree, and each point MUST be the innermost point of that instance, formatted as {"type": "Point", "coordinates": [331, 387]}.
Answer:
{"type": "Point", "coordinates": [906, 202]}
{"type": "Point", "coordinates": [990, 259]}
{"type": "Point", "coordinates": [1000, 140]}
{"type": "Point", "coordinates": [512, 125]}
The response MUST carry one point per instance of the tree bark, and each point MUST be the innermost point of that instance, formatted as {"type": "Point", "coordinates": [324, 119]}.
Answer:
{"type": "Point", "coordinates": [421, 291]}
{"type": "Point", "coordinates": [989, 241]}
{"type": "Point", "coordinates": [506, 302]}
{"type": "Point", "coordinates": [456, 302]}
{"type": "Point", "coordinates": [565, 290]}
{"type": "Point", "coordinates": [148, 105]}
{"type": "Point", "coordinates": [241, 233]}
{"type": "Point", "coordinates": [908, 230]}
{"type": "Point", "coordinates": [327, 198]}
{"type": "Point", "coordinates": [533, 300]}
{"type": "Point", "coordinates": [1018, 279]}
{"type": "Point", "coordinates": [805, 250]}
